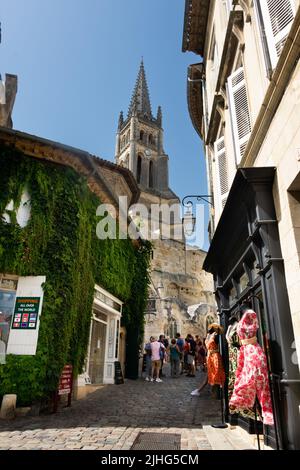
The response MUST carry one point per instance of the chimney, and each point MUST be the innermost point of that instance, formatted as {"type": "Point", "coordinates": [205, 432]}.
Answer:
{"type": "Point", "coordinates": [7, 104]}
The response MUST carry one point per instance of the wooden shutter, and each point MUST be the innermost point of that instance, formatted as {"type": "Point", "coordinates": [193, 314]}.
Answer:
{"type": "Point", "coordinates": [239, 111]}
{"type": "Point", "coordinates": [222, 170]}
{"type": "Point", "coordinates": [278, 16]}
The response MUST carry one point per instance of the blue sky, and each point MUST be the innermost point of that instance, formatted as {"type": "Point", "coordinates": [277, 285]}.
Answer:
{"type": "Point", "coordinates": [77, 62]}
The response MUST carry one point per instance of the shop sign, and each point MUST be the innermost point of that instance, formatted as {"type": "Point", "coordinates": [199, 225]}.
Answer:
{"type": "Point", "coordinates": [65, 386]}
{"type": "Point", "coordinates": [66, 379]}
{"type": "Point", "coordinates": [26, 313]}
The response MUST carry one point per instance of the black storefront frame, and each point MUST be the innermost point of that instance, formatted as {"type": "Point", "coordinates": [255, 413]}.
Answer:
{"type": "Point", "coordinates": [248, 228]}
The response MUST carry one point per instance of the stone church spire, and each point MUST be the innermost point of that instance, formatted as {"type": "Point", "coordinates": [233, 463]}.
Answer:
{"type": "Point", "coordinates": [140, 101]}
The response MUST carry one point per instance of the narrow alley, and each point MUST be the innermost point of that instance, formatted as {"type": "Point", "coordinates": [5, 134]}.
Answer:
{"type": "Point", "coordinates": [112, 418]}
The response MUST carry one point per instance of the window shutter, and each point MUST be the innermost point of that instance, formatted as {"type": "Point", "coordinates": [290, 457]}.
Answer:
{"type": "Point", "coordinates": [222, 170]}
{"type": "Point", "coordinates": [229, 6]}
{"type": "Point", "coordinates": [239, 111]}
{"type": "Point", "coordinates": [278, 16]}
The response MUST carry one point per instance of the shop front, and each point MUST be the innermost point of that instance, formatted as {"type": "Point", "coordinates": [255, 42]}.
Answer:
{"type": "Point", "coordinates": [246, 261]}
{"type": "Point", "coordinates": [104, 340]}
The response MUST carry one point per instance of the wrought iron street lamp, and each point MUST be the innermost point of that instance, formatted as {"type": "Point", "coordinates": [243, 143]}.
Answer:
{"type": "Point", "coordinates": [201, 197]}
{"type": "Point", "coordinates": [189, 220]}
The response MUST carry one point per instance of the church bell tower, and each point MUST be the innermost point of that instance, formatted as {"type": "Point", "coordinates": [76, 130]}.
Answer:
{"type": "Point", "coordinates": [139, 142]}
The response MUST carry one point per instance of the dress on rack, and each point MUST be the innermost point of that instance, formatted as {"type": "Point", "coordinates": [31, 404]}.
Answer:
{"type": "Point", "coordinates": [233, 354]}
{"type": "Point", "coordinates": [215, 368]}
{"type": "Point", "coordinates": [252, 373]}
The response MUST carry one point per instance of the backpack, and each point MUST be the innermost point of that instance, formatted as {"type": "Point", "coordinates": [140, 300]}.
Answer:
{"type": "Point", "coordinates": [180, 344]}
{"type": "Point", "coordinates": [192, 350]}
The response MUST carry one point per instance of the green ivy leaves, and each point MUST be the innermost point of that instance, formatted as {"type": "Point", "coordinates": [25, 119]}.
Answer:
{"type": "Point", "coordinates": [60, 242]}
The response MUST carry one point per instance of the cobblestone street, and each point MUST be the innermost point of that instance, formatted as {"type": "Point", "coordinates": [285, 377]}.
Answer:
{"type": "Point", "coordinates": [112, 417]}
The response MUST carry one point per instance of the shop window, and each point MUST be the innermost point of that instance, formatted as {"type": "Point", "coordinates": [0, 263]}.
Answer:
{"type": "Point", "coordinates": [244, 282]}
{"type": "Point", "coordinates": [255, 268]}
{"type": "Point", "coordinates": [232, 295]}
{"type": "Point", "coordinates": [8, 289]}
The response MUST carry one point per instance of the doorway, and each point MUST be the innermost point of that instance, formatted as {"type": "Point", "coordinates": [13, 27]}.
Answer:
{"type": "Point", "coordinates": [97, 347]}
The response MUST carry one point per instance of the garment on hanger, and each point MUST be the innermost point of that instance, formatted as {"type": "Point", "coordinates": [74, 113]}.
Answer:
{"type": "Point", "coordinates": [215, 368]}
{"type": "Point", "coordinates": [233, 351]}
{"type": "Point", "coordinates": [252, 373]}
{"type": "Point", "coordinates": [233, 354]}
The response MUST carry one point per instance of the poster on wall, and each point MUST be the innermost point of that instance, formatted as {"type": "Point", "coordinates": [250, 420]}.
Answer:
{"type": "Point", "coordinates": [26, 313]}
{"type": "Point", "coordinates": [25, 321]}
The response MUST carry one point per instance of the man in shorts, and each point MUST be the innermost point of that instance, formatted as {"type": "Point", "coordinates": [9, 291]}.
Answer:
{"type": "Point", "coordinates": [156, 347]}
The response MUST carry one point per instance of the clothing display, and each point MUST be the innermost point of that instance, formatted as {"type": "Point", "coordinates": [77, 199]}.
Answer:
{"type": "Point", "coordinates": [252, 373]}
{"type": "Point", "coordinates": [215, 368]}
{"type": "Point", "coordinates": [233, 353]}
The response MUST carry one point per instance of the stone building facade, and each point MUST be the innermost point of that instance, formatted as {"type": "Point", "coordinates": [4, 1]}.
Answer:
{"type": "Point", "coordinates": [180, 296]}
{"type": "Point", "coordinates": [8, 91]}
{"type": "Point", "coordinates": [243, 98]}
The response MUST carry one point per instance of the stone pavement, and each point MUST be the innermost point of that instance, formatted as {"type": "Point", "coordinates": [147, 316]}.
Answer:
{"type": "Point", "coordinates": [112, 417]}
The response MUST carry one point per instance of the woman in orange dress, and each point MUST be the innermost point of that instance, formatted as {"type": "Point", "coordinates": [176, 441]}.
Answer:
{"type": "Point", "coordinates": [215, 368]}
{"type": "Point", "coordinates": [214, 362]}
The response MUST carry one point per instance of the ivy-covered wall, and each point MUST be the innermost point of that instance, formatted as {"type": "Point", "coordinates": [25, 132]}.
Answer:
{"type": "Point", "coordinates": [60, 242]}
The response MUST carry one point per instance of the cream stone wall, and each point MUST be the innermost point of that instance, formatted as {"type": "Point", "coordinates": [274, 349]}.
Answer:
{"type": "Point", "coordinates": [281, 145]}
{"type": "Point", "coordinates": [179, 282]}
{"type": "Point", "coordinates": [281, 148]}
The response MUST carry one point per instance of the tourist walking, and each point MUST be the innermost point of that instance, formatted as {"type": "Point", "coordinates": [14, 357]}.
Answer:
{"type": "Point", "coordinates": [174, 358]}
{"type": "Point", "coordinates": [148, 353]}
{"type": "Point", "coordinates": [165, 343]}
{"type": "Point", "coordinates": [156, 348]}
{"type": "Point", "coordinates": [191, 356]}
{"type": "Point", "coordinates": [180, 343]}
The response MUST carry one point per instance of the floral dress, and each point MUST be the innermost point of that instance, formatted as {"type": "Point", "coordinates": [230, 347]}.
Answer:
{"type": "Point", "coordinates": [215, 368]}
{"type": "Point", "coordinates": [233, 353]}
{"type": "Point", "coordinates": [252, 374]}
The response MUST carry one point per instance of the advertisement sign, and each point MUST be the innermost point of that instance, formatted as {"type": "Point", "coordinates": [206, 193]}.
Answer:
{"type": "Point", "coordinates": [65, 382]}
{"type": "Point", "coordinates": [26, 313]}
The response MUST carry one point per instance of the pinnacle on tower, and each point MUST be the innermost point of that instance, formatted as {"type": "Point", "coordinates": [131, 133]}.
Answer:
{"type": "Point", "coordinates": [121, 120]}
{"type": "Point", "coordinates": [159, 116]}
{"type": "Point", "coordinates": [140, 101]}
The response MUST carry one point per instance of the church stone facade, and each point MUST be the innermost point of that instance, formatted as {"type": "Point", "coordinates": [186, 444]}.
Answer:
{"type": "Point", "coordinates": [181, 293]}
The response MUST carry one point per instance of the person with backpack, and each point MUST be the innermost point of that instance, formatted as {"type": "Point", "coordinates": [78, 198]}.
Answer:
{"type": "Point", "coordinates": [180, 343]}
{"type": "Point", "coordinates": [174, 358]}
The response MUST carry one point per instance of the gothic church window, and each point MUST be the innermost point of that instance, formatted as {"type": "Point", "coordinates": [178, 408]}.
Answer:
{"type": "Point", "coordinates": [142, 136]}
{"type": "Point", "coordinates": [150, 174]}
{"type": "Point", "coordinates": [139, 169]}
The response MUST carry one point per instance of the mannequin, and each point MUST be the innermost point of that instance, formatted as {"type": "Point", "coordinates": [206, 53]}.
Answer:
{"type": "Point", "coordinates": [215, 368]}
{"type": "Point", "coordinates": [252, 374]}
{"type": "Point", "coordinates": [233, 353]}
